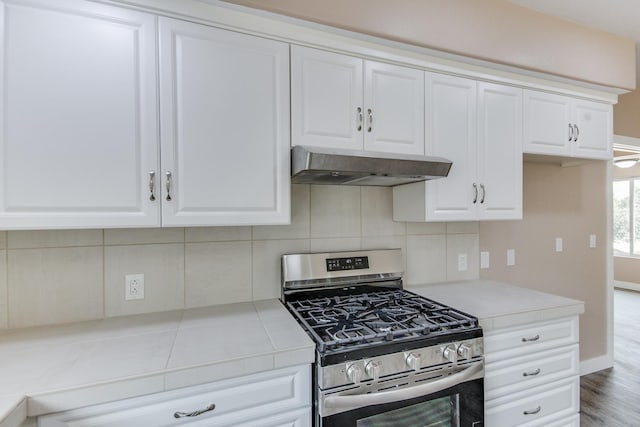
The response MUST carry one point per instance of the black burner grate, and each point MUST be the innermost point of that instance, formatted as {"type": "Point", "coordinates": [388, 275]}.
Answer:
{"type": "Point", "coordinates": [345, 321]}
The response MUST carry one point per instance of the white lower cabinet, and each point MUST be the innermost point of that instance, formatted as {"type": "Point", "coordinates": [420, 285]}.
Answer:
{"type": "Point", "coordinates": [535, 407]}
{"type": "Point", "coordinates": [275, 398]}
{"type": "Point", "coordinates": [532, 375]}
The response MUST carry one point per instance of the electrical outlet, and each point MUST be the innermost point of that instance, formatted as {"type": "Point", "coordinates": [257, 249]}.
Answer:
{"type": "Point", "coordinates": [462, 262]}
{"type": "Point", "coordinates": [558, 244]}
{"type": "Point", "coordinates": [134, 286]}
{"type": "Point", "coordinates": [511, 257]}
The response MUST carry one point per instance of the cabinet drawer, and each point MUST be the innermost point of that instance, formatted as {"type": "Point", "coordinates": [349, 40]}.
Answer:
{"type": "Point", "coordinates": [297, 418]}
{"type": "Point", "coordinates": [237, 401]}
{"type": "Point", "coordinates": [512, 342]}
{"type": "Point", "coordinates": [538, 406]}
{"type": "Point", "coordinates": [513, 375]}
{"type": "Point", "coordinates": [572, 421]}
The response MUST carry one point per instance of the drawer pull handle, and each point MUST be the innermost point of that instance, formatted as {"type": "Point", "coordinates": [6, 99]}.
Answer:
{"type": "Point", "coordinates": [536, 338]}
{"type": "Point", "coordinates": [180, 414]}
{"type": "Point", "coordinates": [533, 412]}
{"type": "Point", "coordinates": [531, 374]}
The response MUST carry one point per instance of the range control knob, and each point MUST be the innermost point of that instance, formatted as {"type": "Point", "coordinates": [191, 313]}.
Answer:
{"type": "Point", "coordinates": [449, 353]}
{"type": "Point", "coordinates": [465, 352]}
{"type": "Point", "coordinates": [413, 361]}
{"type": "Point", "coordinates": [373, 369]}
{"type": "Point", "coordinates": [354, 373]}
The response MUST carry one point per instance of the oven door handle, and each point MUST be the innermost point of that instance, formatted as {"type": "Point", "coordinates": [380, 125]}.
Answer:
{"type": "Point", "coordinates": [361, 400]}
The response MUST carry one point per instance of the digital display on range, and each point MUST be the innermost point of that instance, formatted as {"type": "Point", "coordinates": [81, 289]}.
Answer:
{"type": "Point", "coordinates": [350, 263]}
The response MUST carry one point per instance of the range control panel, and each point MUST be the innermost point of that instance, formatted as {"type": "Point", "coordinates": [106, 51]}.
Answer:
{"type": "Point", "coordinates": [350, 263]}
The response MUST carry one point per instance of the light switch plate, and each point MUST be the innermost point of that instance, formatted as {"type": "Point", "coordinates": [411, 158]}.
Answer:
{"type": "Point", "coordinates": [558, 244]}
{"type": "Point", "coordinates": [592, 241]}
{"type": "Point", "coordinates": [462, 262]}
{"type": "Point", "coordinates": [511, 257]}
{"type": "Point", "coordinates": [484, 260]}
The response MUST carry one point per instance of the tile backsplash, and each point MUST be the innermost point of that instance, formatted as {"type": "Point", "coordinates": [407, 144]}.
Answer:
{"type": "Point", "coordinates": [49, 277]}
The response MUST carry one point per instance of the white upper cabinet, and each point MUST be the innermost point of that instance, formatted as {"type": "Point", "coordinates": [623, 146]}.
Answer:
{"type": "Point", "coordinates": [569, 127]}
{"type": "Point", "coordinates": [394, 109]}
{"type": "Point", "coordinates": [340, 101]}
{"type": "Point", "coordinates": [224, 105]}
{"type": "Point", "coordinates": [326, 102]}
{"type": "Point", "coordinates": [593, 129]}
{"type": "Point", "coordinates": [499, 151]}
{"type": "Point", "coordinates": [79, 128]}
{"type": "Point", "coordinates": [451, 133]}
{"type": "Point", "coordinates": [478, 126]}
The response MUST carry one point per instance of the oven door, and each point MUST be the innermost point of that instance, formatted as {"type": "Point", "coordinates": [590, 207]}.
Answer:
{"type": "Point", "coordinates": [453, 401]}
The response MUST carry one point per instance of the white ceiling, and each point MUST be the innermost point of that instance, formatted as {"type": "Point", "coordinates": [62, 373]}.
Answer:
{"type": "Point", "coordinates": [620, 17]}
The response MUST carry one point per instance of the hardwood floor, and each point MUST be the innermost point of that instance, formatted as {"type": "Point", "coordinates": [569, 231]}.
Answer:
{"type": "Point", "coordinates": [611, 398]}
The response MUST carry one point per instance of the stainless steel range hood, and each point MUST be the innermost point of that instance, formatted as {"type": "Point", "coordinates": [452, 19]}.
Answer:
{"type": "Point", "coordinates": [314, 165]}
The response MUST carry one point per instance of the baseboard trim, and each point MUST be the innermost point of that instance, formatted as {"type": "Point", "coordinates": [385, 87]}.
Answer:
{"type": "Point", "coordinates": [626, 285]}
{"type": "Point", "coordinates": [595, 364]}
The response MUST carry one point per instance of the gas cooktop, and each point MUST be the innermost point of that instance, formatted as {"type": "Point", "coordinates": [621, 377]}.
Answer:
{"type": "Point", "coordinates": [349, 319]}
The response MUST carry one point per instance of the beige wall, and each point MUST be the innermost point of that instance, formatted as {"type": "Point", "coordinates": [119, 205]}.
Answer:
{"type": "Point", "coordinates": [493, 30]}
{"type": "Point", "coordinates": [49, 277]}
{"type": "Point", "coordinates": [626, 115]}
{"type": "Point", "coordinates": [566, 202]}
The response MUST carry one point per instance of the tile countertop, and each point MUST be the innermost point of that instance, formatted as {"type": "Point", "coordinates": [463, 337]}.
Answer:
{"type": "Point", "coordinates": [56, 368]}
{"type": "Point", "coordinates": [499, 305]}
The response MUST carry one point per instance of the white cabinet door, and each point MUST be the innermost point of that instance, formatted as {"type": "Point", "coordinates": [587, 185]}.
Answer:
{"type": "Point", "coordinates": [394, 109]}
{"type": "Point", "coordinates": [326, 99]}
{"type": "Point", "coordinates": [547, 120]}
{"type": "Point", "coordinates": [478, 126]}
{"type": "Point", "coordinates": [594, 132]}
{"type": "Point", "coordinates": [224, 101]}
{"type": "Point", "coordinates": [340, 101]}
{"type": "Point", "coordinates": [499, 151]}
{"type": "Point", "coordinates": [80, 116]}
{"type": "Point", "coordinates": [451, 133]}
{"type": "Point", "coordinates": [565, 126]}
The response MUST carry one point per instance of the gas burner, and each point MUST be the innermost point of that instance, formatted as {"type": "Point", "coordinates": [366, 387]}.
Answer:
{"type": "Point", "coordinates": [368, 318]}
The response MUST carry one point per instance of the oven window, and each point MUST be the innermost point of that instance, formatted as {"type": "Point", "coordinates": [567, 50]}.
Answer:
{"type": "Point", "coordinates": [441, 412]}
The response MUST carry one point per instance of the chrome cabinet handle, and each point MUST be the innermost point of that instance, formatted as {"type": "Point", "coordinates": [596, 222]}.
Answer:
{"type": "Point", "coordinates": [577, 135]}
{"type": "Point", "coordinates": [483, 193]}
{"type": "Point", "coordinates": [370, 118]}
{"type": "Point", "coordinates": [180, 414]}
{"type": "Point", "coordinates": [475, 192]}
{"type": "Point", "coordinates": [168, 184]}
{"type": "Point", "coordinates": [152, 185]}
{"type": "Point", "coordinates": [570, 132]}
{"type": "Point", "coordinates": [533, 412]}
{"type": "Point", "coordinates": [532, 373]}
{"type": "Point", "coordinates": [360, 119]}
{"type": "Point", "coordinates": [535, 338]}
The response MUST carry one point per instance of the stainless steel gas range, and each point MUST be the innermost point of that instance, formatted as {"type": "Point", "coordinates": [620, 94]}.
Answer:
{"type": "Point", "coordinates": [384, 356]}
